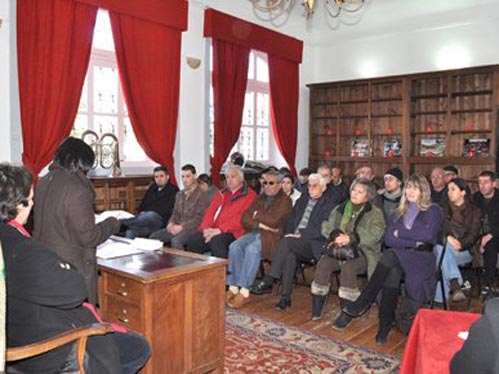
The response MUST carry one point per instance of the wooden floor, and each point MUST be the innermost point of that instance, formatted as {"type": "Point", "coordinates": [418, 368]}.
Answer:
{"type": "Point", "coordinates": [361, 331]}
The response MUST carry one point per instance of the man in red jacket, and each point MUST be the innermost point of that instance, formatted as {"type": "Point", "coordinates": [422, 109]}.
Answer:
{"type": "Point", "coordinates": [222, 220]}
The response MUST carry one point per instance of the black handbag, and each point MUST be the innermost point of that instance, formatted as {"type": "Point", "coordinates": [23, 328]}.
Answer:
{"type": "Point", "coordinates": [342, 253]}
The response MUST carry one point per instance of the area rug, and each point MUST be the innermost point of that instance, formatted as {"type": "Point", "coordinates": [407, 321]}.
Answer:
{"type": "Point", "coordinates": [259, 345]}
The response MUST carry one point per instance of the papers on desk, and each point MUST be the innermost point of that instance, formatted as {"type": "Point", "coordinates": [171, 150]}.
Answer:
{"type": "Point", "coordinates": [118, 214]}
{"type": "Point", "coordinates": [111, 249]}
{"type": "Point", "coordinates": [146, 244]}
{"type": "Point", "coordinates": [117, 246]}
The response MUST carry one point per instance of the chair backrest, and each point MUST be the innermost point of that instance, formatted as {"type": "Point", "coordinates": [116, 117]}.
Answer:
{"type": "Point", "coordinates": [2, 311]}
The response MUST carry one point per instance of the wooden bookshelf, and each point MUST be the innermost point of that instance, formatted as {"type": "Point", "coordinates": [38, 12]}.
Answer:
{"type": "Point", "coordinates": [450, 105]}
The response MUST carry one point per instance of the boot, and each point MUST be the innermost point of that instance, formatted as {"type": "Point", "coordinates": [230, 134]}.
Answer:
{"type": "Point", "coordinates": [386, 314]}
{"type": "Point", "coordinates": [318, 303]}
{"type": "Point", "coordinates": [343, 320]}
{"type": "Point", "coordinates": [372, 288]}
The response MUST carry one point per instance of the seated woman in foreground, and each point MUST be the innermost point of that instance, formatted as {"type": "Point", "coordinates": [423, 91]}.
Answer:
{"type": "Point", "coordinates": [461, 226]}
{"type": "Point", "coordinates": [45, 295]}
{"type": "Point", "coordinates": [359, 225]}
{"type": "Point", "coordinates": [410, 236]}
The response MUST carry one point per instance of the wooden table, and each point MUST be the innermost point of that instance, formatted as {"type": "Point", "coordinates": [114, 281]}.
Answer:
{"type": "Point", "coordinates": [176, 299]}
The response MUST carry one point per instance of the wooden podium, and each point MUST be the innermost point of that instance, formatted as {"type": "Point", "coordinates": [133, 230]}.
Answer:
{"type": "Point", "coordinates": [176, 299]}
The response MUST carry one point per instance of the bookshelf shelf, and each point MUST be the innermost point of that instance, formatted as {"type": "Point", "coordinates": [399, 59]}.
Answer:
{"type": "Point", "coordinates": [461, 105]}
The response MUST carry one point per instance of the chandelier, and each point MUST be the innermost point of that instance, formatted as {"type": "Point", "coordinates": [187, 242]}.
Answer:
{"type": "Point", "coordinates": [270, 10]}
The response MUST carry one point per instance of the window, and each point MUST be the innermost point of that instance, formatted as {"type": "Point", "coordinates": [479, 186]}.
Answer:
{"type": "Point", "coordinates": [102, 105]}
{"type": "Point", "coordinates": [255, 133]}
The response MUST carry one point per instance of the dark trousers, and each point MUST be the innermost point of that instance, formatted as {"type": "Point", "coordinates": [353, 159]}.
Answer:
{"type": "Point", "coordinates": [285, 258]}
{"type": "Point", "coordinates": [490, 261]}
{"type": "Point", "coordinates": [174, 241]}
{"type": "Point", "coordinates": [132, 350]}
{"type": "Point", "coordinates": [218, 245]}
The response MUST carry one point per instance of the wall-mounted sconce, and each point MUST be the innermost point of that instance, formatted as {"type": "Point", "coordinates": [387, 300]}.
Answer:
{"type": "Point", "coordinates": [193, 62]}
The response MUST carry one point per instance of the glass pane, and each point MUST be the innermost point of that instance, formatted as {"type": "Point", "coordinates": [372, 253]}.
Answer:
{"type": "Point", "coordinates": [249, 108]}
{"type": "Point", "coordinates": [103, 124]}
{"type": "Point", "coordinates": [83, 106]}
{"type": "Point", "coordinates": [80, 125]}
{"type": "Point", "coordinates": [262, 109]}
{"type": "Point", "coordinates": [132, 150]}
{"type": "Point", "coordinates": [212, 138]}
{"type": "Point", "coordinates": [251, 66]}
{"type": "Point", "coordinates": [103, 36]}
{"type": "Point", "coordinates": [246, 142]}
{"type": "Point", "coordinates": [262, 70]}
{"type": "Point", "coordinates": [262, 144]}
{"type": "Point", "coordinates": [105, 90]}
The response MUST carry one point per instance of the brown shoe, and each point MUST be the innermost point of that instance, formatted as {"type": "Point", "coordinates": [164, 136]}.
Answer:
{"type": "Point", "coordinates": [229, 295]}
{"type": "Point", "coordinates": [239, 301]}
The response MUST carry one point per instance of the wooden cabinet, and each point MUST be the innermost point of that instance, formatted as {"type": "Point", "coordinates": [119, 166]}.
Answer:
{"type": "Point", "coordinates": [124, 193]}
{"type": "Point", "coordinates": [386, 122]}
{"type": "Point", "coordinates": [176, 300]}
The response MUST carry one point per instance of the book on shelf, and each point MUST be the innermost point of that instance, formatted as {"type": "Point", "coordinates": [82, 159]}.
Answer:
{"type": "Point", "coordinates": [476, 147]}
{"type": "Point", "coordinates": [392, 148]}
{"type": "Point", "coordinates": [432, 147]}
{"type": "Point", "coordinates": [360, 148]}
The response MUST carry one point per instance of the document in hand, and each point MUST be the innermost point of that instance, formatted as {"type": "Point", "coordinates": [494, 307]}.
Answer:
{"type": "Point", "coordinates": [111, 249]}
{"type": "Point", "coordinates": [146, 244]}
{"type": "Point", "coordinates": [118, 214]}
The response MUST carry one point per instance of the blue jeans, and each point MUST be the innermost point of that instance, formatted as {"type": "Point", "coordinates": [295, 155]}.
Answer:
{"type": "Point", "coordinates": [245, 255]}
{"type": "Point", "coordinates": [450, 267]}
{"type": "Point", "coordinates": [142, 225]}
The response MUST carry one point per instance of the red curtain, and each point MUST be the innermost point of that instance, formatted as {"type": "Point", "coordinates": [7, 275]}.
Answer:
{"type": "Point", "coordinates": [284, 92]}
{"type": "Point", "coordinates": [285, 53]}
{"type": "Point", "coordinates": [230, 76]}
{"type": "Point", "coordinates": [54, 38]}
{"type": "Point", "coordinates": [148, 56]}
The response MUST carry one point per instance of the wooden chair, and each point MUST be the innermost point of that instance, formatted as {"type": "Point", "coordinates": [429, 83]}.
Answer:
{"type": "Point", "coordinates": [80, 335]}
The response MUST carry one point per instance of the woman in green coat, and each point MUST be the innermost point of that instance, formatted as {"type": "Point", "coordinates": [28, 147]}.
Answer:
{"type": "Point", "coordinates": [362, 226]}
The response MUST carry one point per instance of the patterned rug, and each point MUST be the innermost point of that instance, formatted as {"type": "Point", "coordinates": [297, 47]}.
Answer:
{"type": "Point", "coordinates": [259, 345]}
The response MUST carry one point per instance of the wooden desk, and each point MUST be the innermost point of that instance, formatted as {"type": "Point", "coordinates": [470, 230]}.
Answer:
{"type": "Point", "coordinates": [176, 299]}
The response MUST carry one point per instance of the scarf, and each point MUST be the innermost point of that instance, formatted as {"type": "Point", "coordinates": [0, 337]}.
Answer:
{"type": "Point", "coordinates": [410, 216]}
{"type": "Point", "coordinates": [350, 214]}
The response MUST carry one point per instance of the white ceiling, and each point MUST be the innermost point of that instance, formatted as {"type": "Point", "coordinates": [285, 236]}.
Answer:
{"type": "Point", "coordinates": [378, 17]}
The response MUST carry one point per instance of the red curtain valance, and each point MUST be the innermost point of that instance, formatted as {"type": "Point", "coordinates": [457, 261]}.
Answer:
{"type": "Point", "coordinates": [171, 13]}
{"type": "Point", "coordinates": [221, 26]}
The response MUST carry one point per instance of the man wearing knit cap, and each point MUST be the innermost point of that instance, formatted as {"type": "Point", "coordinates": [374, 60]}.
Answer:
{"type": "Point", "coordinates": [450, 172]}
{"type": "Point", "coordinates": [389, 197]}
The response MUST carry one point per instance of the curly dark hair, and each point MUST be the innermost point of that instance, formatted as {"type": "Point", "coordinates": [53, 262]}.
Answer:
{"type": "Point", "coordinates": [15, 187]}
{"type": "Point", "coordinates": [74, 155]}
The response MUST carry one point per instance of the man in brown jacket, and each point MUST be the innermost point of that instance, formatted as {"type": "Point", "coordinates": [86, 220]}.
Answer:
{"type": "Point", "coordinates": [188, 212]}
{"type": "Point", "coordinates": [264, 222]}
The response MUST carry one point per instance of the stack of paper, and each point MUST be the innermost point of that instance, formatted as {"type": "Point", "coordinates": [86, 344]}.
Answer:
{"type": "Point", "coordinates": [112, 249]}
{"type": "Point", "coordinates": [146, 244]}
{"type": "Point", "coordinates": [118, 214]}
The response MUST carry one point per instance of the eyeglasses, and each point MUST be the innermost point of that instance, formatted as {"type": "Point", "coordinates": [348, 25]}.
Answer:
{"type": "Point", "coordinates": [270, 183]}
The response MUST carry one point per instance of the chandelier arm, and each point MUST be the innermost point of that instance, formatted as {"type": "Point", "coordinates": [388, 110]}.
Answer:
{"type": "Point", "coordinates": [329, 6]}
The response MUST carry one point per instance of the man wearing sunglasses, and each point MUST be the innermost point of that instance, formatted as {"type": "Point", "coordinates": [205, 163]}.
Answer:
{"type": "Point", "coordinates": [264, 223]}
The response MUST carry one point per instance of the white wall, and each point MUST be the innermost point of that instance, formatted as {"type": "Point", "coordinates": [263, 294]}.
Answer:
{"type": "Point", "coordinates": [10, 141]}
{"type": "Point", "coordinates": [455, 40]}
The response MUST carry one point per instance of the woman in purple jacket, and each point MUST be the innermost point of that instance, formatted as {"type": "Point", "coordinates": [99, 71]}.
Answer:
{"type": "Point", "coordinates": [410, 236]}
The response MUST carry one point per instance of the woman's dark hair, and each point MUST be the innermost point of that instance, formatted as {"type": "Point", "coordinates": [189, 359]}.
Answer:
{"type": "Point", "coordinates": [74, 155]}
{"type": "Point", "coordinates": [15, 187]}
{"type": "Point", "coordinates": [205, 178]}
{"type": "Point", "coordinates": [463, 186]}
{"type": "Point", "coordinates": [290, 177]}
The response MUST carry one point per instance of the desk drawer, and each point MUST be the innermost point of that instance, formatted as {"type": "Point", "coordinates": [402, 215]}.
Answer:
{"type": "Point", "coordinates": [124, 313]}
{"type": "Point", "coordinates": [125, 289]}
